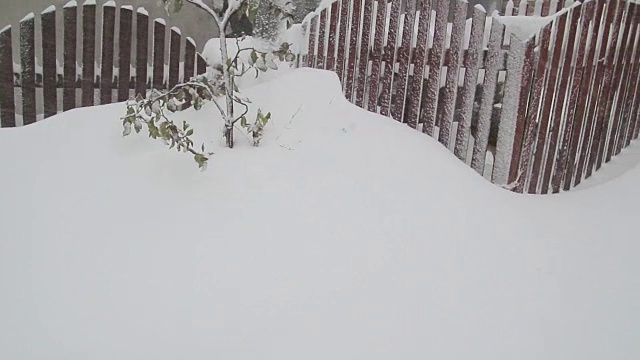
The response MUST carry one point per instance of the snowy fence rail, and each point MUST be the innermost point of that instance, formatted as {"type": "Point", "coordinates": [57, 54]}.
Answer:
{"type": "Point", "coordinates": [535, 115]}
{"type": "Point", "coordinates": [534, 7]}
{"type": "Point", "coordinates": [99, 64]}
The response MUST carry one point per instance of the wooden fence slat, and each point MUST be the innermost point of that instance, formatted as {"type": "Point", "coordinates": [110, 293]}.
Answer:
{"type": "Point", "coordinates": [629, 81]}
{"type": "Point", "coordinates": [189, 59]}
{"type": "Point", "coordinates": [49, 69]}
{"type": "Point", "coordinates": [419, 62]}
{"type": "Point", "coordinates": [70, 14]}
{"type": "Point", "coordinates": [566, 160]}
{"type": "Point", "coordinates": [333, 29]}
{"type": "Point", "coordinates": [7, 96]}
{"type": "Point", "coordinates": [537, 172]}
{"type": "Point", "coordinates": [201, 64]}
{"type": "Point", "coordinates": [404, 53]}
{"type": "Point", "coordinates": [322, 36]}
{"type": "Point", "coordinates": [512, 115]}
{"type": "Point", "coordinates": [174, 57]}
{"type": "Point", "coordinates": [430, 99]}
{"type": "Point", "coordinates": [471, 64]}
{"type": "Point", "coordinates": [602, 80]}
{"type": "Point", "coordinates": [634, 92]}
{"type": "Point", "coordinates": [363, 52]}
{"type": "Point", "coordinates": [342, 38]}
{"type": "Point", "coordinates": [445, 117]}
{"type": "Point", "coordinates": [313, 34]}
{"type": "Point", "coordinates": [389, 58]}
{"type": "Point", "coordinates": [376, 57]}
{"type": "Point", "coordinates": [532, 119]}
{"type": "Point", "coordinates": [355, 34]}
{"type": "Point", "coordinates": [142, 51]}
{"type": "Point", "coordinates": [88, 53]}
{"type": "Point", "coordinates": [621, 62]}
{"type": "Point", "coordinates": [488, 93]}
{"type": "Point", "coordinates": [561, 96]}
{"type": "Point", "coordinates": [159, 28]}
{"type": "Point", "coordinates": [124, 53]}
{"type": "Point", "coordinates": [584, 107]}
{"type": "Point", "coordinates": [106, 66]}
{"type": "Point", "coordinates": [28, 73]}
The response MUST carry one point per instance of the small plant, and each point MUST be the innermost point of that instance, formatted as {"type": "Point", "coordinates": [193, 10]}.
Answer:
{"type": "Point", "coordinates": [218, 85]}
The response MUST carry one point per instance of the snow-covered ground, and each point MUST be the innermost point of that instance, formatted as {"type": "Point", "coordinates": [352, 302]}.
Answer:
{"type": "Point", "coordinates": [344, 236]}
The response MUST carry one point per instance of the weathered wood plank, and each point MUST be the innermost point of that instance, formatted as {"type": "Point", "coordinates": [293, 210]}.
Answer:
{"type": "Point", "coordinates": [88, 53]}
{"type": "Point", "coordinates": [389, 58]}
{"type": "Point", "coordinates": [526, 173]}
{"type": "Point", "coordinates": [174, 57]}
{"type": "Point", "coordinates": [322, 39]}
{"type": "Point", "coordinates": [453, 67]}
{"type": "Point", "coordinates": [376, 57]}
{"type": "Point", "coordinates": [629, 82]}
{"type": "Point", "coordinates": [7, 96]}
{"type": "Point", "coordinates": [124, 53]}
{"type": "Point", "coordinates": [355, 34]}
{"type": "Point", "coordinates": [142, 52]}
{"type": "Point", "coordinates": [430, 99]}
{"type": "Point", "coordinates": [404, 59]}
{"type": "Point", "coordinates": [486, 105]}
{"type": "Point", "coordinates": [333, 29]}
{"type": "Point", "coordinates": [363, 52]}
{"type": "Point", "coordinates": [472, 65]}
{"type": "Point", "coordinates": [49, 70]}
{"type": "Point", "coordinates": [589, 87]}
{"type": "Point", "coordinates": [567, 157]}
{"type": "Point", "coordinates": [159, 29]}
{"type": "Point", "coordinates": [108, 47]}
{"type": "Point", "coordinates": [559, 120]}
{"type": "Point", "coordinates": [419, 64]}
{"type": "Point", "coordinates": [189, 59]}
{"type": "Point", "coordinates": [28, 72]}
{"type": "Point", "coordinates": [70, 14]}
{"type": "Point", "coordinates": [313, 34]}
{"type": "Point", "coordinates": [345, 5]}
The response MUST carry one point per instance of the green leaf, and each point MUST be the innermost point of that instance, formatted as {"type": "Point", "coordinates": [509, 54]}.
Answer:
{"type": "Point", "coordinates": [253, 58]}
{"type": "Point", "coordinates": [137, 125]}
{"type": "Point", "coordinates": [243, 121]}
{"type": "Point", "coordinates": [127, 129]}
{"type": "Point", "coordinates": [190, 132]}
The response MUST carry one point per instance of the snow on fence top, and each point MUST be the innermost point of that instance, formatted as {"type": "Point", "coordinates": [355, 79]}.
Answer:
{"type": "Point", "coordinates": [71, 3]}
{"type": "Point", "coordinates": [50, 9]}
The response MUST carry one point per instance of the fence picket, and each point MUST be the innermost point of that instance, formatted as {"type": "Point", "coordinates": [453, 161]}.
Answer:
{"type": "Point", "coordinates": [142, 51]}
{"type": "Point", "coordinates": [108, 46]}
{"type": "Point", "coordinates": [28, 72]}
{"type": "Point", "coordinates": [7, 96]}
{"type": "Point", "coordinates": [546, 117]}
{"type": "Point", "coordinates": [627, 86]}
{"type": "Point", "coordinates": [584, 107]}
{"type": "Point", "coordinates": [488, 93]}
{"type": "Point", "coordinates": [313, 34]}
{"type": "Point", "coordinates": [634, 91]}
{"type": "Point", "coordinates": [124, 53]}
{"type": "Point", "coordinates": [404, 53]}
{"type": "Point", "coordinates": [88, 53]}
{"type": "Point", "coordinates": [419, 62]}
{"type": "Point", "coordinates": [430, 99]}
{"type": "Point", "coordinates": [355, 34]}
{"type": "Point", "coordinates": [389, 58]}
{"type": "Point", "coordinates": [49, 70]}
{"type": "Point", "coordinates": [159, 30]}
{"type": "Point", "coordinates": [566, 160]}
{"type": "Point", "coordinates": [333, 29]}
{"type": "Point", "coordinates": [560, 101]}
{"type": "Point", "coordinates": [342, 38]}
{"type": "Point", "coordinates": [70, 14]}
{"type": "Point", "coordinates": [472, 65]}
{"type": "Point", "coordinates": [376, 57]}
{"type": "Point", "coordinates": [174, 57]}
{"type": "Point", "coordinates": [620, 67]}
{"type": "Point", "coordinates": [322, 40]}
{"type": "Point", "coordinates": [363, 52]}
{"type": "Point", "coordinates": [445, 117]}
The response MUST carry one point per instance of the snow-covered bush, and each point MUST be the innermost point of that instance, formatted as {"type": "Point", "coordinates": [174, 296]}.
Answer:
{"type": "Point", "coordinates": [218, 86]}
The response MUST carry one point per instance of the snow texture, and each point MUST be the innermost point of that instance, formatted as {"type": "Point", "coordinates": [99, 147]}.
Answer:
{"type": "Point", "coordinates": [176, 30]}
{"type": "Point", "coordinates": [50, 9]}
{"type": "Point", "coordinates": [345, 235]}
{"type": "Point", "coordinates": [71, 3]}
{"type": "Point", "coordinates": [30, 16]}
{"type": "Point", "coordinates": [143, 11]}
{"type": "Point", "coordinates": [110, 3]}
{"type": "Point", "coordinates": [90, 2]}
{"type": "Point", "coordinates": [160, 21]}
{"type": "Point", "coordinates": [5, 28]}
{"type": "Point", "coordinates": [127, 7]}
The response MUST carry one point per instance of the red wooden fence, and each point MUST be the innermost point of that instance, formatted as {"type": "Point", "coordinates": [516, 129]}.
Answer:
{"type": "Point", "coordinates": [534, 115]}
{"type": "Point", "coordinates": [34, 88]}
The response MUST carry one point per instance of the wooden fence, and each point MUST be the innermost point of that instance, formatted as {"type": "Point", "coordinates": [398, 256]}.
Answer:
{"type": "Point", "coordinates": [534, 7]}
{"type": "Point", "coordinates": [551, 108]}
{"type": "Point", "coordinates": [99, 65]}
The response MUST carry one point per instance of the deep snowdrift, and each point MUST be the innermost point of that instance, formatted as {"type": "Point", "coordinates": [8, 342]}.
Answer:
{"type": "Point", "coordinates": [344, 236]}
